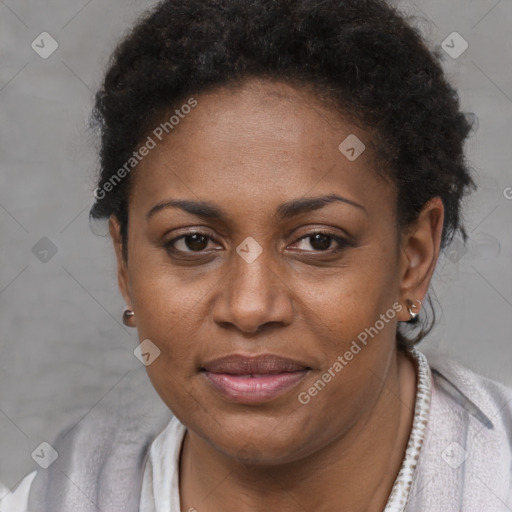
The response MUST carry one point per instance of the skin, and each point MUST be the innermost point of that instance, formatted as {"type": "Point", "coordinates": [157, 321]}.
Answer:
{"type": "Point", "coordinates": [248, 150]}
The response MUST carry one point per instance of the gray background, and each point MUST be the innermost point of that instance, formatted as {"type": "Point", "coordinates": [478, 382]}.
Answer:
{"type": "Point", "coordinates": [62, 346]}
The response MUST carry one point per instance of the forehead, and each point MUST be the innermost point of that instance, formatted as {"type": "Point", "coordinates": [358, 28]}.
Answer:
{"type": "Point", "coordinates": [259, 143]}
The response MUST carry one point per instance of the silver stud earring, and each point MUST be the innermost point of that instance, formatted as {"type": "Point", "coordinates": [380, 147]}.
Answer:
{"type": "Point", "coordinates": [127, 314]}
{"type": "Point", "coordinates": [413, 308]}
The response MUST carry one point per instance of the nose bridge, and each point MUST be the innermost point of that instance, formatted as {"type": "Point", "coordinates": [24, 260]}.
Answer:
{"type": "Point", "coordinates": [251, 285]}
{"type": "Point", "coordinates": [252, 293]}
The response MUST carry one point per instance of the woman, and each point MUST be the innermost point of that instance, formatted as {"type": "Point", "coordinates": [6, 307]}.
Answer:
{"type": "Point", "coordinates": [279, 178]}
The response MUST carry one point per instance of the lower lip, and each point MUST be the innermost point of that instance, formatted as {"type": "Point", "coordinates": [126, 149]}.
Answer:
{"type": "Point", "coordinates": [253, 390]}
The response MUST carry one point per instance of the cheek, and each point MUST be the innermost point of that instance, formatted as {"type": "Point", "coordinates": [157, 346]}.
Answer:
{"type": "Point", "coordinates": [353, 296]}
{"type": "Point", "coordinates": [354, 330]}
{"type": "Point", "coordinates": [165, 297]}
{"type": "Point", "coordinates": [167, 313]}
{"type": "Point", "coordinates": [355, 334]}
{"type": "Point", "coordinates": [353, 315]}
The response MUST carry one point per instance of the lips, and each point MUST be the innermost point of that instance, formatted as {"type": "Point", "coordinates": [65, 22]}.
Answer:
{"type": "Point", "coordinates": [254, 379]}
{"type": "Point", "coordinates": [267, 364]}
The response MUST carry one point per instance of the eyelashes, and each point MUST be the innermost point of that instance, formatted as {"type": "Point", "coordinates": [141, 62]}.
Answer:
{"type": "Point", "coordinates": [320, 238]}
{"type": "Point", "coordinates": [197, 243]}
{"type": "Point", "coordinates": [196, 239]}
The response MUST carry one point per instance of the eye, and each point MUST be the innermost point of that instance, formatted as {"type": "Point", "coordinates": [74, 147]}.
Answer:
{"type": "Point", "coordinates": [191, 242]}
{"type": "Point", "coordinates": [321, 242]}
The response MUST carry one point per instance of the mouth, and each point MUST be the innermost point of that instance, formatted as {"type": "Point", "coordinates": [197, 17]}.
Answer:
{"type": "Point", "coordinates": [253, 380]}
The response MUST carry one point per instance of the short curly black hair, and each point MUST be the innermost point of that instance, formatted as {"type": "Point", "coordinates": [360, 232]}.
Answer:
{"type": "Point", "coordinates": [360, 54]}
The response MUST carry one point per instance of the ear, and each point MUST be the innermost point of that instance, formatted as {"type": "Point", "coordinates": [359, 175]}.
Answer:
{"type": "Point", "coordinates": [122, 265]}
{"type": "Point", "coordinates": [420, 246]}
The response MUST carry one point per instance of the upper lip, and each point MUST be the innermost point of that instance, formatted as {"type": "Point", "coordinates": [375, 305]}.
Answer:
{"type": "Point", "coordinates": [267, 364]}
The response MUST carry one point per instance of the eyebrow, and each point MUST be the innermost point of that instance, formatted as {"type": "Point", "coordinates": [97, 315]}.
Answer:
{"type": "Point", "coordinates": [309, 204]}
{"type": "Point", "coordinates": [207, 210]}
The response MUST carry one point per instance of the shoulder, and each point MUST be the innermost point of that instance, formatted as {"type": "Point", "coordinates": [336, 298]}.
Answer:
{"type": "Point", "coordinates": [466, 460]}
{"type": "Point", "coordinates": [487, 405]}
{"type": "Point", "coordinates": [16, 500]}
{"type": "Point", "coordinates": [493, 398]}
{"type": "Point", "coordinates": [104, 452]}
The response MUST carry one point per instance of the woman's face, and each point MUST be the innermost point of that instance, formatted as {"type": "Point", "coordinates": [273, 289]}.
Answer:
{"type": "Point", "coordinates": [281, 254]}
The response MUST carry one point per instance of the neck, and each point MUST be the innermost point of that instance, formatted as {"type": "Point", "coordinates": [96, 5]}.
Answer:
{"type": "Point", "coordinates": [356, 471]}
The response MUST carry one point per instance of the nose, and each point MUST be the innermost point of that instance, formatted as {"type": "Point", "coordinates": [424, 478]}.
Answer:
{"type": "Point", "coordinates": [253, 295]}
